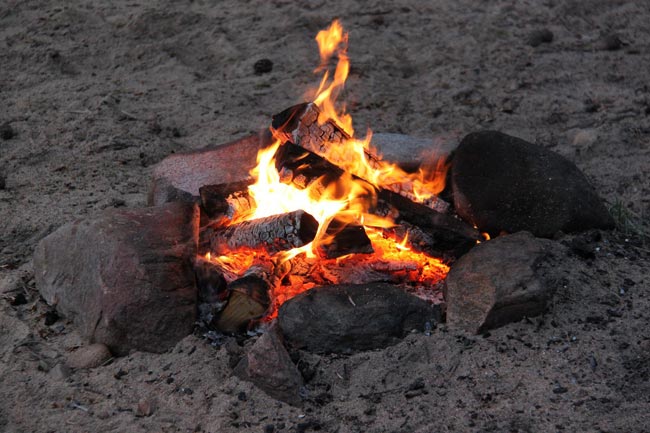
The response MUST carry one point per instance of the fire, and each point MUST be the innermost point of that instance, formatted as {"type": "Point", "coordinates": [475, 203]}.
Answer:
{"type": "Point", "coordinates": [347, 199]}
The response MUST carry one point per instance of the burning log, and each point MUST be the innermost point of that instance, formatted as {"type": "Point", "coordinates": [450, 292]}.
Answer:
{"type": "Point", "coordinates": [227, 199]}
{"type": "Point", "coordinates": [274, 233]}
{"type": "Point", "coordinates": [343, 238]}
{"type": "Point", "coordinates": [299, 125]}
{"type": "Point", "coordinates": [437, 233]}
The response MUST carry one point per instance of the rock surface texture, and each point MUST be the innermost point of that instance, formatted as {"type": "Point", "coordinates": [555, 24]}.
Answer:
{"type": "Point", "coordinates": [267, 364]}
{"type": "Point", "coordinates": [501, 281]}
{"type": "Point", "coordinates": [125, 276]}
{"type": "Point", "coordinates": [503, 183]}
{"type": "Point", "coordinates": [179, 176]}
{"type": "Point", "coordinates": [345, 318]}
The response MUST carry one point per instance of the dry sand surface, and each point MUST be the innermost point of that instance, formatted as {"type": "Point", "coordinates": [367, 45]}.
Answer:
{"type": "Point", "coordinates": [96, 92]}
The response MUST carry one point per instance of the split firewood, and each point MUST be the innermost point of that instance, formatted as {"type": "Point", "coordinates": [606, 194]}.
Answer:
{"type": "Point", "coordinates": [443, 235]}
{"type": "Point", "coordinates": [250, 295]}
{"type": "Point", "coordinates": [228, 200]}
{"type": "Point", "coordinates": [299, 125]}
{"type": "Point", "coordinates": [274, 233]}
{"type": "Point", "coordinates": [343, 238]}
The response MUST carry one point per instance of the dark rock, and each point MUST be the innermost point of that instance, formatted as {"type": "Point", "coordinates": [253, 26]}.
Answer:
{"type": "Point", "coordinates": [539, 37]}
{"type": "Point", "coordinates": [179, 176]}
{"type": "Point", "coordinates": [51, 317]}
{"type": "Point", "coordinates": [501, 281]}
{"type": "Point", "coordinates": [124, 277]}
{"type": "Point", "coordinates": [268, 365]}
{"type": "Point", "coordinates": [263, 66]}
{"type": "Point", "coordinates": [410, 152]}
{"type": "Point", "coordinates": [503, 183]}
{"type": "Point", "coordinates": [6, 131]}
{"type": "Point", "coordinates": [611, 42]}
{"type": "Point", "coordinates": [344, 318]}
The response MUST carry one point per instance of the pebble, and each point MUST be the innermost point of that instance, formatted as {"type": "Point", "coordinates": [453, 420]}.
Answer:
{"type": "Point", "coordinates": [263, 66]}
{"type": "Point", "coordinates": [6, 131]}
{"type": "Point", "coordinates": [89, 356]}
{"type": "Point", "coordinates": [539, 37]}
{"type": "Point", "coordinates": [60, 371]}
{"type": "Point", "coordinates": [144, 408]}
{"type": "Point", "coordinates": [611, 42]}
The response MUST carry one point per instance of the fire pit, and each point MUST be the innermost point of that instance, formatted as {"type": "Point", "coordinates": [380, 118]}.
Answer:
{"type": "Point", "coordinates": [321, 227]}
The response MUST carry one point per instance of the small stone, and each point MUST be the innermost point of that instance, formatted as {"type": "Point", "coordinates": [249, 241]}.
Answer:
{"type": "Point", "coordinates": [539, 37]}
{"type": "Point", "coordinates": [51, 316]}
{"type": "Point", "coordinates": [263, 66]}
{"type": "Point", "coordinates": [144, 408]}
{"type": "Point", "coordinates": [585, 137]}
{"type": "Point", "coordinates": [60, 372]}
{"type": "Point", "coordinates": [559, 389]}
{"type": "Point", "coordinates": [19, 299]}
{"type": "Point", "coordinates": [91, 356]}
{"type": "Point", "coordinates": [268, 365]}
{"type": "Point", "coordinates": [611, 42]}
{"type": "Point", "coordinates": [6, 131]}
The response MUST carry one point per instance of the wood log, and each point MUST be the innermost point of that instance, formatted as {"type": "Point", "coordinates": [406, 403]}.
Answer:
{"type": "Point", "coordinates": [299, 125]}
{"type": "Point", "coordinates": [250, 295]}
{"type": "Point", "coordinates": [438, 234]}
{"type": "Point", "coordinates": [343, 238]}
{"type": "Point", "coordinates": [274, 233]}
{"type": "Point", "coordinates": [210, 281]}
{"type": "Point", "coordinates": [229, 200]}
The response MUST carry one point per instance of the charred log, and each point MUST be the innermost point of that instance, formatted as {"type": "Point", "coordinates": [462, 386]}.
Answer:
{"type": "Point", "coordinates": [274, 233]}
{"type": "Point", "coordinates": [437, 233]}
{"type": "Point", "coordinates": [249, 296]}
{"type": "Point", "coordinates": [226, 200]}
{"type": "Point", "coordinates": [299, 125]}
{"type": "Point", "coordinates": [342, 238]}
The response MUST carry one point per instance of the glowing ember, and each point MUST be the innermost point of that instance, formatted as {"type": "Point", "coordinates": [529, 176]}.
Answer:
{"type": "Point", "coordinates": [349, 199]}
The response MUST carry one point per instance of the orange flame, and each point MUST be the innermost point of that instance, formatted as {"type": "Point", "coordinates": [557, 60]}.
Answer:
{"type": "Point", "coordinates": [349, 198]}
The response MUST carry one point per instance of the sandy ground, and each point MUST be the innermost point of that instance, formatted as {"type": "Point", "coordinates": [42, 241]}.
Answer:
{"type": "Point", "coordinates": [99, 91]}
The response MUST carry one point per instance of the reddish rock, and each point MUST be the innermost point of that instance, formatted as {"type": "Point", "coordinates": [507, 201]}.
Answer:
{"type": "Point", "coordinates": [179, 176]}
{"type": "Point", "coordinates": [502, 281]}
{"type": "Point", "coordinates": [268, 365]}
{"type": "Point", "coordinates": [124, 277]}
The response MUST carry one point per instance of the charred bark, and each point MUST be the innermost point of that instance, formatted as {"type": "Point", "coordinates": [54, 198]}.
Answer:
{"type": "Point", "coordinates": [342, 238]}
{"type": "Point", "coordinates": [299, 125]}
{"type": "Point", "coordinates": [274, 233]}
{"type": "Point", "coordinates": [226, 200]}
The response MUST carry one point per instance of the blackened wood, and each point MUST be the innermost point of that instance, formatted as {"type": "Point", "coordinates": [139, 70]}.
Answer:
{"type": "Point", "coordinates": [226, 199]}
{"type": "Point", "coordinates": [210, 280]}
{"type": "Point", "coordinates": [250, 296]}
{"type": "Point", "coordinates": [299, 125]}
{"type": "Point", "coordinates": [274, 233]}
{"type": "Point", "coordinates": [446, 236]}
{"type": "Point", "coordinates": [342, 238]}
{"type": "Point", "coordinates": [301, 167]}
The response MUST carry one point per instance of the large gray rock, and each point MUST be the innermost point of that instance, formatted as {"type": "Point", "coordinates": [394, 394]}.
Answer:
{"type": "Point", "coordinates": [345, 318]}
{"type": "Point", "coordinates": [503, 183]}
{"type": "Point", "coordinates": [502, 281]}
{"type": "Point", "coordinates": [179, 176]}
{"type": "Point", "coordinates": [268, 365]}
{"type": "Point", "coordinates": [124, 277]}
{"type": "Point", "coordinates": [409, 152]}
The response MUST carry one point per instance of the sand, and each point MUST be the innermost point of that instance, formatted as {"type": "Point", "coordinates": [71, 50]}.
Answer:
{"type": "Point", "coordinates": [97, 92]}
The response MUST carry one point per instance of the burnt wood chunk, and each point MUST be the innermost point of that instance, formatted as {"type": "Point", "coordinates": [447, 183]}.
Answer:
{"type": "Point", "coordinates": [226, 199]}
{"type": "Point", "coordinates": [249, 297]}
{"type": "Point", "coordinates": [210, 281]}
{"type": "Point", "coordinates": [299, 125]}
{"type": "Point", "coordinates": [301, 167]}
{"type": "Point", "coordinates": [342, 238]}
{"type": "Point", "coordinates": [274, 233]}
{"type": "Point", "coordinates": [446, 236]}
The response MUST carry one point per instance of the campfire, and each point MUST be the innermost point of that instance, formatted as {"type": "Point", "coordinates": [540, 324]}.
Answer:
{"type": "Point", "coordinates": [322, 207]}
